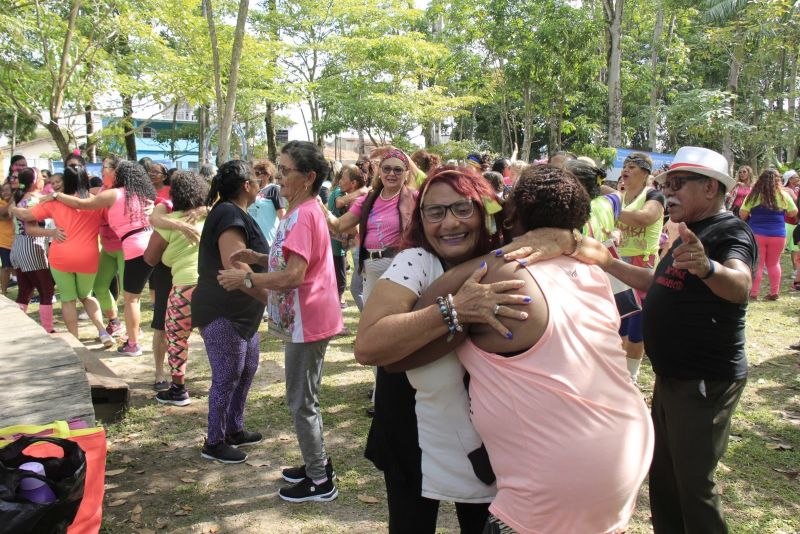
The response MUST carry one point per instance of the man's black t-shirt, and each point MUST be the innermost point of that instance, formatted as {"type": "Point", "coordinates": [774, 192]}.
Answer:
{"type": "Point", "coordinates": [210, 300]}
{"type": "Point", "coordinates": [689, 332]}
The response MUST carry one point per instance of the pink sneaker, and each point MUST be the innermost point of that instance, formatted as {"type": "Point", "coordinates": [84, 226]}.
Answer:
{"type": "Point", "coordinates": [130, 350]}
{"type": "Point", "coordinates": [114, 327]}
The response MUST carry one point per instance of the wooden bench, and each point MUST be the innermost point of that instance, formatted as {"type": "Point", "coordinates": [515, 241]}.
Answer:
{"type": "Point", "coordinates": [110, 394]}
{"type": "Point", "coordinates": [42, 378]}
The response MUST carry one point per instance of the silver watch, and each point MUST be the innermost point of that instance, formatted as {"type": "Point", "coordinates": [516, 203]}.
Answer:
{"type": "Point", "coordinates": [248, 280]}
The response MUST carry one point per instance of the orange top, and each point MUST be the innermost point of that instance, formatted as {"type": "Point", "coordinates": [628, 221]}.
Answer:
{"type": "Point", "coordinates": [80, 252]}
{"type": "Point", "coordinates": [6, 229]}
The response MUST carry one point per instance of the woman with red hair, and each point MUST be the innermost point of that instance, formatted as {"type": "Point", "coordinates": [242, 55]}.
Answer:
{"type": "Point", "coordinates": [421, 435]}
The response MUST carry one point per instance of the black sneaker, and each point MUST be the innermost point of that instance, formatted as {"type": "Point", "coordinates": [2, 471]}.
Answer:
{"type": "Point", "coordinates": [297, 474]}
{"type": "Point", "coordinates": [243, 438]}
{"type": "Point", "coordinates": [306, 490]}
{"type": "Point", "coordinates": [174, 396]}
{"type": "Point", "coordinates": [222, 452]}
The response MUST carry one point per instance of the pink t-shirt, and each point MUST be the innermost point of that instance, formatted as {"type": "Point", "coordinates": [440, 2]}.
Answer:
{"type": "Point", "coordinates": [568, 434]}
{"type": "Point", "coordinates": [310, 312]}
{"type": "Point", "coordinates": [80, 252]}
{"type": "Point", "coordinates": [108, 239]}
{"type": "Point", "coordinates": [123, 222]}
{"type": "Point", "coordinates": [383, 223]}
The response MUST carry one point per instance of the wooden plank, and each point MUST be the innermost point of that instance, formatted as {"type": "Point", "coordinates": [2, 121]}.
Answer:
{"type": "Point", "coordinates": [43, 379]}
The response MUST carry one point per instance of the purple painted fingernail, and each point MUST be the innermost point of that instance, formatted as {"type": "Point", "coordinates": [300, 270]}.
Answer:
{"type": "Point", "coordinates": [523, 262]}
{"type": "Point", "coordinates": [483, 264]}
{"type": "Point", "coordinates": [498, 252]}
{"type": "Point", "coordinates": [527, 299]}
{"type": "Point", "coordinates": [509, 336]}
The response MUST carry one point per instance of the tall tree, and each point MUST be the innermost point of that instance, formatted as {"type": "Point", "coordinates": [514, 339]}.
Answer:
{"type": "Point", "coordinates": [612, 11]}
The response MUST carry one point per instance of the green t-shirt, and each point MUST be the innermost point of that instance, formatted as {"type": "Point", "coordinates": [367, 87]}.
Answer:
{"type": "Point", "coordinates": [336, 245]}
{"type": "Point", "coordinates": [181, 254]}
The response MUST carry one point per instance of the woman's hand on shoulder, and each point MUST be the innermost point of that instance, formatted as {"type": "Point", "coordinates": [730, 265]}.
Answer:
{"type": "Point", "coordinates": [538, 245]}
{"type": "Point", "coordinates": [483, 303]}
{"type": "Point", "coordinates": [194, 215]}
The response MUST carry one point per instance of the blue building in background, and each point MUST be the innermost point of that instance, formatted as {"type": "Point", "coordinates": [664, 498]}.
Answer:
{"type": "Point", "coordinates": [615, 170]}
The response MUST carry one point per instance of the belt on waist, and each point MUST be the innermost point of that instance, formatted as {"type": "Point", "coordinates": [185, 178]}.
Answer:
{"type": "Point", "coordinates": [134, 232]}
{"type": "Point", "coordinates": [388, 252]}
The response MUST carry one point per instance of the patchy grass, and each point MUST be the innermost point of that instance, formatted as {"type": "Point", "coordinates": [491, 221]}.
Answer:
{"type": "Point", "coordinates": [159, 447]}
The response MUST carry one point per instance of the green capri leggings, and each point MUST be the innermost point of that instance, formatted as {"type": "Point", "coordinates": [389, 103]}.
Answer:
{"type": "Point", "coordinates": [73, 286]}
{"type": "Point", "coordinates": [111, 263]}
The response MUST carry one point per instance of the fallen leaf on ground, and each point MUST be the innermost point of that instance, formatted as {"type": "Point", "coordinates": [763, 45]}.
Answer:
{"type": "Point", "coordinates": [188, 480]}
{"type": "Point", "coordinates": [213, 529]}
{"type": "Point", "coordinates": [115, 472]}
{"type": "Point", "coordinates": [734, 437]}
{"type": "Point", "coordinates": [191, 470]}
{"type": "Point", "coordinates": [111, 486]}
{"type": "Point", "coordinates": [779, 446]}
{"type": "Point", "coordinates": [181, 512]}
{"type": "Point", "coordinates": [150, 491]}
{"type": "Point", "coordinates": [724, 468]}
{"type": "Point", "coordinates": [369, 499]}
{"type": "Point", "coordinates": [186, 507]}
{"type": "Point", "coordinates": [146, 531]}
{"type": "Point", "coordinates": [140, 472]}
{"type": "Point", "coordinates": [257, 462]}
{"type": "Point", "coordinates": [137, 509]}
{"type": "Point", "coordinates": [161, 523]}
{"type": "Point", "coordinates": [118, 502]}
{"type": "Point", "coordinates": [790, 474]}
{"type": "Point", "coordinates": [136, 518]}
{"type": "Point", "coordinates": [126, 459]}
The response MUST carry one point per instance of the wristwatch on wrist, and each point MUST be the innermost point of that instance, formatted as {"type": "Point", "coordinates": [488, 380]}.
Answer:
{"type": "Point", "coordinates": [248, 280]}
{"type": "Point", "coordinates": [55, 195]}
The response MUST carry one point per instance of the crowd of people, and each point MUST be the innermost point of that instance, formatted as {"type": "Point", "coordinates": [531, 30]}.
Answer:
{"type": "Point", "coordinates": [506, 308]}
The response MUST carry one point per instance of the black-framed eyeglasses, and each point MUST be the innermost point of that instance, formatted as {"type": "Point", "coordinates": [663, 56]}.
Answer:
{"type": "Point", "coordinates": [261, 172]}
{"type": "Point", "coordinates": [676, 183]}
{"type": "Point", "coordinates": [433, 213]}
{"type": "Point", "coordinates": [286, 170]}
{"type": "Point", "coordinates": [386, 169]}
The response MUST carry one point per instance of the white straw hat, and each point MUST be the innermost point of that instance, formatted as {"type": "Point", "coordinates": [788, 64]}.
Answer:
{"type": "Point", "coordinates": [789, 174]}
{"type": "Point", "coordinates": [700, 161]}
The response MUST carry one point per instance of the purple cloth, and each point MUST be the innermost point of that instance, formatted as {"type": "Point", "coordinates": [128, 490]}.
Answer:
{"type": "Point", "coordinates": [234, 361]}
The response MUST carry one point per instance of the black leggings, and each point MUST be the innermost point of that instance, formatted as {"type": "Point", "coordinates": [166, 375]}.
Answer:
{"type": "Point", "coordinates": [411, 513]}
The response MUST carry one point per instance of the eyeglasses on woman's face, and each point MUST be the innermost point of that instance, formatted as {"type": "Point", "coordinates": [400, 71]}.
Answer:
{"type": "Point", "coordinates": [434, 213]}
{"type": "Point", "coordinates": [388, 169]}
{"type": "Point", "coordinates": [286, 170]}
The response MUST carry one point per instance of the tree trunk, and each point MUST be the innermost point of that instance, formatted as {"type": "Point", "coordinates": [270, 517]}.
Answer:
{"type": "Point", "coordinates": [174, 134]}
{"type": "Point", "coordinates": [224, 149]}
{"type": "Point", "coordinates": [791, 146]}
{"type": "Point", "coordinates": [613, 10]}
{"type": "Point", "coordinates": [527, 125]}
{"type": "Point", "coordinates": [58, 138]}
{"type": "Point", "coordinates": [208, 11]}
{"type": "Point", "coordinates": [269, 127]}
{"type": "Point", "coordinates": [652, 133]}
{"type": "Point", "coordinates": [732, 88]}
{"type": "Point", "coordinates": [127, 127]}
{"type": "Point", "coordinates": [14, 134]}
{"type": "Point", "coordinates": [201, 142]}
{"type": "Point", "coordinates": [91, 144]}
{"type": "Point", "coordinates": [361, 145]}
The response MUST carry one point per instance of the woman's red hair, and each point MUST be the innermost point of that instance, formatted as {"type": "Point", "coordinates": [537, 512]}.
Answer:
{"type": "Point", "coordinates": [469, 183]}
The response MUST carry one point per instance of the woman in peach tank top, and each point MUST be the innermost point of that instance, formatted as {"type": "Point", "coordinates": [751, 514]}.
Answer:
{"type": "Point", "coordinates": [567, 432]}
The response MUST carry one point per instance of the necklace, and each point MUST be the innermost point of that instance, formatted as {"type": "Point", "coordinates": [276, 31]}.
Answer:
{"type": "Point", "coordinates": [391, 197]}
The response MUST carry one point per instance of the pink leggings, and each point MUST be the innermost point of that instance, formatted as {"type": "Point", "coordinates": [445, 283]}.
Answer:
{"type": "Point", "coordinates": [769, 253]}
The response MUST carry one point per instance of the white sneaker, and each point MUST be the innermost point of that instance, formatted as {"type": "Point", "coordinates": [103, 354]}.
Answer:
{"type": "Point", "coordinates": [107, 340]}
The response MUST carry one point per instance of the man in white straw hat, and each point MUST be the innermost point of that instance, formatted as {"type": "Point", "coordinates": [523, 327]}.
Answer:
{"type": "Point", "coordinates": [694, 320]}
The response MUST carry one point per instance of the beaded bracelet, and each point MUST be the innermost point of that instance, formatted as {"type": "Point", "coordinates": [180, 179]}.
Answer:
{"type": "Point", "coordinates": [454, 313]}
{"type": "Point", "coordinates": [447, 317]}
